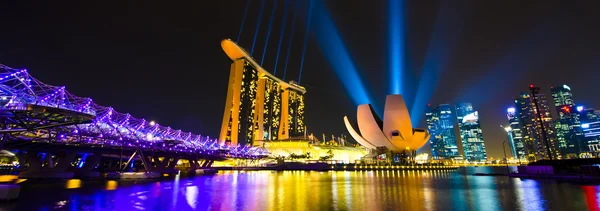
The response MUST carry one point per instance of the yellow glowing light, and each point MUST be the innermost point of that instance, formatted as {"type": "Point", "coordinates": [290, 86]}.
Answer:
{"type": "Point", "coordinates": [21, 180]}
{"type": "Point", "coordinates": [165, 175]}
{"type": "Point", "coordinates": [73, 184]}
{"type": "Point", "coordinates": [111, 185]}
{"type": "Point", "coordinates": [7, 178]}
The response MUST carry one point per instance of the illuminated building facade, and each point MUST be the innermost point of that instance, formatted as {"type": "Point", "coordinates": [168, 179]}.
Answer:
{"type": "Point", "coordinates": [470, 133]}
{"type": "Point", "coordinates": [531, 128]}
{"type": "Point", "coordinates": [515, 134]}
{"type": "Point", "coordinates": [443, 139]}
{"type": "Point", "coordinates": [568, 130]}
{"type": "Point", "coordinates": [259, 106]}
{"type": "Point", "coordinates": [590, 126]}
{"type": "Point", "coordinates": [305, 150]}
{"type": "Point", "coordinates": [432, 121]}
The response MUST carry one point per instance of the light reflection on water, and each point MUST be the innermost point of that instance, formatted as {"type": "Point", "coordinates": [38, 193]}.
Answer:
{"type": "Point", "coordinates": [299, 190]}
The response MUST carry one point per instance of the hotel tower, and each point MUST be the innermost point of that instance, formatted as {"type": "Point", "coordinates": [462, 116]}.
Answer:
{"type": "Point", "coordinates": [259, 106]}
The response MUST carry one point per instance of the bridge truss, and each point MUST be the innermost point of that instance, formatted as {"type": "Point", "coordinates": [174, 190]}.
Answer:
{"type": "Point", "coordinates": [32, 112]}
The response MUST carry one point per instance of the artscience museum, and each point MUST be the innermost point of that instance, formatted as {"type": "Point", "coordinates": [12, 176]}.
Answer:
{"type": "Point", "coordinates": [394, 135]}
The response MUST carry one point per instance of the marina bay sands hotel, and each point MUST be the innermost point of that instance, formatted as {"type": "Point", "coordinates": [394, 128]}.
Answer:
{"type": "Point", "coordinates": [259, 106]}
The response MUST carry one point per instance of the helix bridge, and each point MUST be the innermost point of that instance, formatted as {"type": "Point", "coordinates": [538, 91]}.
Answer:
{"type": "Point", "coordinates": [38, 116]}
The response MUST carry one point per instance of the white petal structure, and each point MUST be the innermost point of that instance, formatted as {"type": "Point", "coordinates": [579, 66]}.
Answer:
{"type": "Point", "coordinates": [395, 132]}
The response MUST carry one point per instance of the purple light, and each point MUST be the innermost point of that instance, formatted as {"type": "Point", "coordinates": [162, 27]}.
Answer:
{"type": "Point", "coordinates": [117, 126]}
{"type": "Point", "coordinates": [579, 108]}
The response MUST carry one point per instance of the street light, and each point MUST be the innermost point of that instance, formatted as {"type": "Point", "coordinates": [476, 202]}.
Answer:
{"type": "Point", "coordinates": [152, 123]}
{"type": "Point", "coordinates": [508, 129]}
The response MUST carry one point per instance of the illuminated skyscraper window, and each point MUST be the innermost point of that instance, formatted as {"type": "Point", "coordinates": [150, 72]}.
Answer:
{"type": "Point", "coordinates": [259, 106]}
{"type": "Point", "coordinates": [440, 122]}
{"type": "Point", "coordinates": [470, 133]}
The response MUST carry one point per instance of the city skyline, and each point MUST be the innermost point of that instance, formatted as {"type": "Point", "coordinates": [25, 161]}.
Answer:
{"type": "Point", "coordinates": [299, 105]}
{"type": "Point", "coordinates": [97, 48]}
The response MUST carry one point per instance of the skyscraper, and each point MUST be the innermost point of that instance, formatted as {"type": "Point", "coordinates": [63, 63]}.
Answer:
{"type": "Point", "coordinates": [568, 130]}
{"type": "Point", "coordinates": [590, 126]}
{"type": "Point", "coordinates": [443, 137]}
{"type": "Point", "coordinates": [433, 121]}
{"type": "Point", "coordinates": [516, 134]}
{"type": "Point", "coordinates": [259, 106]}
{"type": "Point", "coordinates": [470, 133]}
{"type": "Point", "coordinates": [531, 126]}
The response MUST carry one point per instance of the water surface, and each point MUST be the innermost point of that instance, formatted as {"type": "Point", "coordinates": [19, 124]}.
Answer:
{"type": "Point", "coordinates": [300, 190]}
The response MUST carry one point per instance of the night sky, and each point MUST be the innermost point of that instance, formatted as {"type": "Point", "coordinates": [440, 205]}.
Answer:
{"type": "Point", "coordinates": [162, 60]}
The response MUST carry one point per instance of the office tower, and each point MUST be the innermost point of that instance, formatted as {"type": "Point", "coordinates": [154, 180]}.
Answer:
{"type": "Point", "coordinates": [531, 126]}
{"type": "Point", "coordinates": [515, 134]}
{"type": "Point", "coordinates": [470, 133]}
{"type": "Point", "coordinates": [568, 130]}
{"type": "Point", "coordinates": [436, 144]}
{"type": "Point", "coordinates": [259, 106]}
{"type": "Point", "coordinates": [443, 139]}
{"type": "Point", "coordinates": [590, 126]}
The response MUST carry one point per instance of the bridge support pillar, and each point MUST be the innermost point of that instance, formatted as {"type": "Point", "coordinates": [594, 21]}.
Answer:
{"type": "Point", "coordinates": [87, 169]}
{"type": "Point", "coordinates": [201, 168]}
{"type": "Point", "coordinates": [207, 163]}
{"type": "Point", "coordinates": [47, 167]}
{"type": "Point", "coordinates": [173, 163]}
{"type": "Point", "coordinates": [167, 165]}
{"type": "Point", "coordinates": [147, 162]}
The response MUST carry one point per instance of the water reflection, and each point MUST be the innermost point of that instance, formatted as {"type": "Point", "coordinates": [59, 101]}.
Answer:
{"type": "Point", "coordinates": [111, 185]}
{"type": "Point", "coordinates": [73, 183]}
{"type": "Point", "coordinates": [299, 190]}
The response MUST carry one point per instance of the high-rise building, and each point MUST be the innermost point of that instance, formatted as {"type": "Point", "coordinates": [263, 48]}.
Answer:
{"type": "Point", "coordinates": [259, 106]}
{"type": "Point", "coordinates": [515, 133]}
{"type": "Point", "coordinates": [590, 126]}
{"type": "Point", "coordinates": [443, 137]}
{"type": "Point", "coordinates": [470, 133]}
{"type": "Point", "coordinates": [567, 125]}
{"type": "Point", "coordinates": [537, 144]}
{"type": "Point", "coordinates": [433, 121]}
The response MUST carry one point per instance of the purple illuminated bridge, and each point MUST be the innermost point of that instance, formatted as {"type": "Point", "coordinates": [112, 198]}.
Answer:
{"type": "Point", "coordinates": [37, 117]}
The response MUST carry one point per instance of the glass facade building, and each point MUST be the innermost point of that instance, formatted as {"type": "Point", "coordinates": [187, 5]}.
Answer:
{"type": "Point", "coordinates": [440, 122]}
{"type": "Point", "coordinates": [515, 134]}
{"type": "Point", "coordinates": [530, 125]}
{"type": "Point", "coordinates": [470, 133]}
{"type": "Point", "coordinates": [568, 131]}
{"type": "Point", "coordinates": [590, 126]}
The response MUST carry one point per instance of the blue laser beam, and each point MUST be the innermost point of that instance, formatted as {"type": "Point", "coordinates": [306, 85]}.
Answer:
{"type": "Point", "coordinates": [289, 47]}
{"type": "Point", "coordinates": [334, 50]}
{"type": "Point", "coordinates": [285, 13]}
{"type": "Point", "coordinates": [305, 39]}
{"type": "Point", "coordinates": [396, 45]}
{"type": "Point", "coordinates": [444, 37]}
{"type": "Point", "coordinates": [260, 12]}
{"type": "Point", "coordinates": [262, 58]}
{"type": "Point", "coordinates": [243, 21]}
{"type": "Point", "coordinates": [538, 46]}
